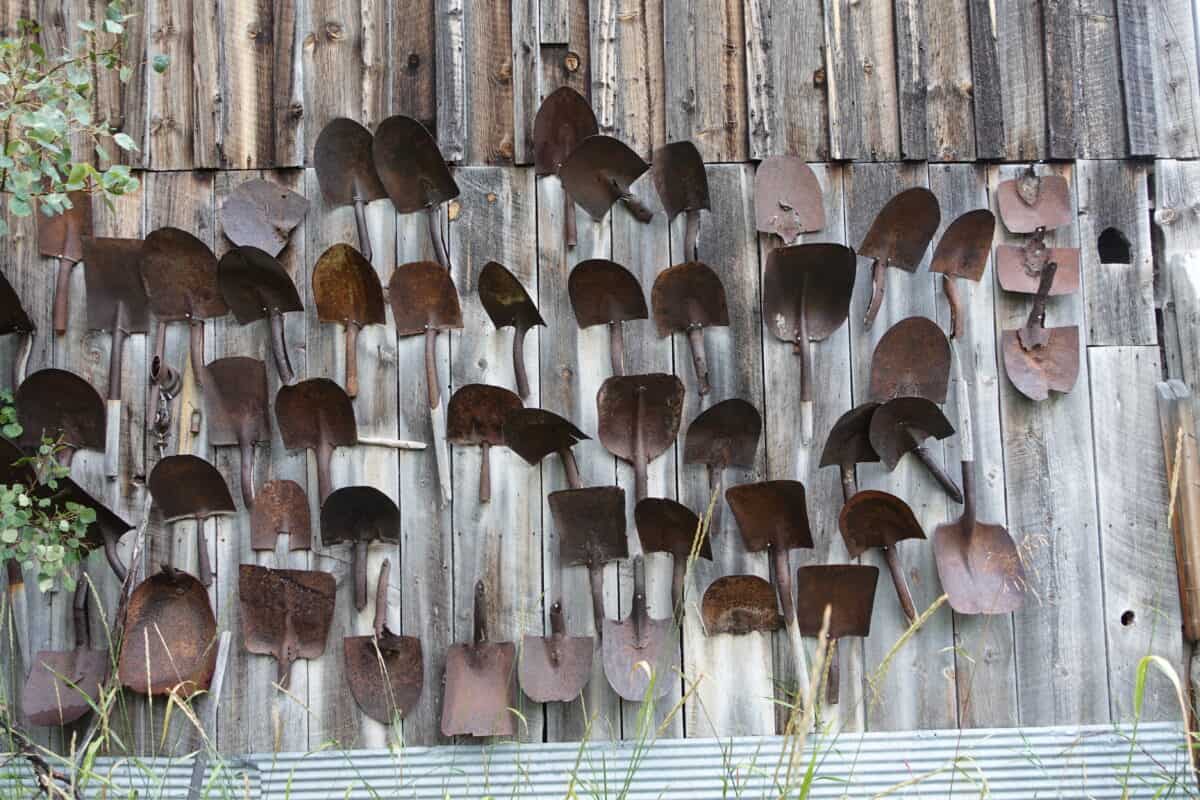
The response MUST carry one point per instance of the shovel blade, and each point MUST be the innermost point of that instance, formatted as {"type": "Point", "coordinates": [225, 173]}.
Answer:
{"type": "Point", "coordinates": [598, 171]}
{"type": "Point", "coordinates": [286, 613]}
{"type": "Point", "coordinates": [479, 690]}
{"type": "Point", "coordinates": [169, 636]}
{"type": "Point", "coordinates": [188, 487]}
{"type": "Point", "coordinates": [254, 284]}
{"type": "Point", "coordinates": [54, 403]}
{"type": "Point", "coordinates": [591, 524]}
{"type": "Point", "coordinates": [635, 658]}
{"type": "Point", "coordinates": [686, 296]}
{"type": "Point", "coordinates": [422, 295]}
{"type": "Point", "coordinates": [849, 439]}
{"type": "Point", "coordinates": [311, 410]}
{"type": "Point", "coordinates": [724, 435]}
{"type": "Point", "coordinates": [1031, 202]}
{"type": "Point", "coordinates": [965, 246]}
{"type": "Point", "coordinates": [876, 519]}
{"type": "Point", "coordinates": [900, 426]}
{"type": "Point", "coordinates": [1020, 268]}
{"type": "Point", "coordinates": [740, 604]}
{"type": "Point", "coordinates": [345, 165]}
{"type": "Point", "coordinates": [547, 680]}
{"type": "Point", "coordinates": [359, 514]}
{"type": "Point", "coordinates": [61, 686]}
{"type": "Point", "coordinates": [534, 433]}
{"type": "Point", "coordinates": [563, 121]}
{"type": "Point", "coordinates": [280, 507]}
{"type": "Point", "coordinates": [61, 235]}
{"type": "Point", "coordinates": [912, 359]}
{"type": "Point", "coordinates": [180, 275]}
{"type": "Point", "coordinates": [111, 270]}
{"type": "Point", "coordinates": [848, 588]}
{"type": "Point", "coordinates": [1053, 367]}
{"type": "Point", "coordinates": [603, 291]}
{"type": "Point", "coordinates": [665, 526]}
{"type": "Point", "coordinates": [346, 288]}
{"type": "Point", "coordinates": [980, 568]}
{"type": "Point", "coordinates": [238, 402]}
{"type": "Point", "coordinates": [262, 215]}
{"type": "Point", "coordinates": [771, 514]}
{"type": "Point", "coordinates": [813, 280]}
{"type": "Point", "coordinates": [386, 675]}
{"type": "Point", "coordinates": [13, 317]}
{"type": "Point", "coordinates": [680, 178]}
{"type": "Point", "coordinates": [658, 424]}
{"type": "Point", "coordinates": [903, 229]}
{"type": "Point", "coordinates": [787, 198]}
{"type": "Point", "coordinates": [505, 300]}
{"type": "Point", "coordinates": [476, 414]}
{"type": "Point", "coordinates": [411, 166]}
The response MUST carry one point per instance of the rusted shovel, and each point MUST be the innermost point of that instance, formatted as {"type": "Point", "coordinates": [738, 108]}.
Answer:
{"type": "Point", "coordinates": [563, 121]}
{"type": "Point", "coordinates": [415, 175]}
{"type": "Point", "coordinates": [286, 613]}
{"type": "Point", "coordinates": [849, 443]}
{"type": "Point", "coordinates": [62, 686]}
{"type": "Point", "coordinates": [63, 406]}
{"type": "Point", "coordinates": [346, 172]}
{"type": "Point", "coordinates": [912, 359]}
{"type": "Point", "coordinates": [591, 528]}
{"type": "Point", "coordinates": [316, 414]}
{"type": "Point", "coordinates": [105, 532]}
{"type": "Point", "coordinates": [555, 669]}
{"type": "Point", "coordinates": [682, 186]}
{"type": "Point", "coordinates": [180, 276]}
{"type": "Point", "coordinates": [1032, 201]}
{"type": "Point", "coordinates": [901, 426]}
{"type": "Point", "coordinates": [721, 436]}
{"type": "Point", "coordinates": [238, 414]}
{"type": "Point", "coordinates": [475, 416]}
{"type": "Point", "coordinates": [170, 633]}
{"type": "Point", "coordinates": [424, 301]}
{"type": "Point", "coordinates": [665, 526]}
{"type": "Point", "coordinates": [738, 605]}
{"type": "Point", "coordinates": [255, 285]}
{"type": "Point", "coordinates": [806, 297]}
{"type": "Point", "coordinates": [689, 298]}
{"type": "Point", "coordinates": [509, 306]}
{"type": "Point", "coordinates": [348, 293]}
{"type": "Point", "coordinates": [878, 519]}
{"type": "Point", "coordinates": [787, 198]}
{"type": "Point", "coordinates": [605, 293]}
{"type": "Point", "coordinates": [639, 419]}
{"type": "Point", "coordinates": [281, 507]}
{"type": "Point", "coordinates": [1038, 359]}
{"type": "Point", "coordinates": [849, 591]}
{"type": "Point", "coordinates": [963, 252]}
{"type": "Point", "coordinates": [385, 671]}
{"type": "Point", "coordinates": [14, 319]}
{"type": "Point", "coordinates": [1020, 268]}
{"type": "Point", "coordinates": [635, 648]}
{"type": "Point", "coordinates": [479, 684]}
{"type": "Point", "coordinates": [359, 515]}
{"type": "Point", "coordinates": [599, 172]}
{"type": "Point", "coordinates": [534, 433]}
{"type": "Point", "coordinates": [262, 215]}
{"type": "Point", "coordinates": [188, 487]}
{"type": "Point", "coordinates": [61, 236]}
{"type": "Point", "coordinates": [898, 238]}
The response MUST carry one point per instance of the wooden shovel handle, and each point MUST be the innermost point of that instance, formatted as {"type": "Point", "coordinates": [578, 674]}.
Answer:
{"type": "Point", "coordinates": [878, 286]}
{"type": "Point", "coordinates": [833, 682]}
{"type": "Point", "coordinates": [641, 482]}
{"type": "Point", "coordinates": [950, 289]}
{"type": "Point", "coordinates": [283, 364]}
{"type": "Point", "coordinates": [21, 362]}
{"type": "Point", "coordinates": [637, 208]}
{"type": "Point", "coordinates": [715, 479]}
{"type": "Point", "coordinates": [196, 346]}
{"type": "Point", "coordinates": [246, 469]}
{"type": "Point", "coordinates": [352, 359]}
{"type": "Point", "coordinates": [897, 569]}
{"type": "Point", "coordinates": [114, 558]}
{"type": "Point", "coordinates": [62, 294]}
{"type": "Point", "coordinates": [360, 222]}
{"type": "Point", "coordinates": [783, 577]}
{"type": "Point", "coordinates": [678, 574]}
{"type": "Point", "coordinates": [435, 235]}
{"type": "Point", "coordinates": [324, 457]}
{"type": "Point", "coordinates": [849, 482]}
{"type": "Point", "coordinates": [519, 362]}
{"type": "Point", "coordinates": [431, 373]}
{"type": "Point", "coordinates": [204, 564]}
{"type": "Point", "coordinates": [83, 636]}
{"type": "Point", "coordinates": [596, 579]}
{"type": "Point", "coordinates": [691, 234]}
{"type": "Point", "coordinates": [485, 473]}
{"type": "Point", "coordinates": [571, 468]}
{"type": "Point", "coordinates": [699, 360]}
{"type": "Point", "coordinates": [570, 235]}
{"type": "Point", "coordinates": [616, 348]}
{"type": "Point", "coordinates": [359, 557]}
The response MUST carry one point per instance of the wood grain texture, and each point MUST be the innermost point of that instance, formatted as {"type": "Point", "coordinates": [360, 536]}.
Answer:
{"type": "Point", "coordinates": [569, 64]}
{"type": "Point", "coordinates": [864, 110]}
{"type": "Point", "coordinates": [1177, 239]}
{"type": "Point", "coordinates": [911, 78]}
{"type": "Point", "coordinates": [951, 91]}
{"type": "Point", "coordinates": [1010, 82]}
{"type": "Point", "coordinates": [1176, 79]}
{"type": "Point", "coordinates": [1061, 22]}
{"type": "Point", "coordinates": [554, 21]}
{"type": "Point", "coordinates": [489, 84]}
{"type": "Point", "coordinates": [171, 123]}
{"type": "Point", "coordinates": [627, 71]}
{"type": "Point", "coordinates": [1100, 116]}
{"type": "Point", "coordinates": [453, 113]}
{"type": "Point", "coordinates": [526, 76]}
{"type": "Point", "coordinates": [413, 61]}
{"type": "Point", "coordinates": [1137, 77]}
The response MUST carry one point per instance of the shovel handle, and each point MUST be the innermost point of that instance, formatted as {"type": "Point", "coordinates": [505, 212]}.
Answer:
{"type": "Point", "coordinates": [570, 236]}
{"type": "Point", "coordinates": [481, 632]}
{"type": "Point", "coordinates": [519, 362]}
{"type": "Point", "coordinates": [360, 222]}
{"type": "Point", "coordinates": [485, 473]}
{"type": "Point", "coordinates": [897, 569]}
{"type": "Point", "coordinates": [571, 467]}
{"type": "Point", "coordinates": [950, 289]}
{"type": "Point", "coordinates": [204, 564]}
{"type": "Point", "coordinates": [359, 566]}
{"type": "Point", "coordinates": [783, 577]}
{"type": "Point", "coordinates": [431, 372]}
{"type": "Point", "coordinates": [834, 680]}
{"type": "Point", "coordinates": [83, 636]}
{"type": "Point", "coordinates": [21, 363]}
{"type": "Point", "coordinates": [196, 345]}
{"type": "Point", "coordinates": [279, 350]}
{"type": "Point", "coordinates": [18, 610]}
{"type": "Point", "coordinates": [678, 574]}
{"type": "Point", "coordinates": [691, 234]}
{"type": "Point", "coordinates": [116, 355]}
{"type": "Point", "coordinates": [381, 596]}
{"type": "Point", "coordinates": [324, 457]}
{"type": "Point", "coordinates": [947, 483]}
{"type": "Point", "coordinates": [1037, 313]}
{"type": "Point", "coordinates": [637, 207]}
{"type": "Point", "coordinates": [596, 579]}
{"type": "Point", "coordinates": [246, 468]}
{"type": "Point", "coordinates": [640, 481]}
{"type": "Point", "coordinates": [558, 625]}
{"type": "Point", "coordinates": [715, 480]}
{"type": "Point", "coordinates": [113, 557]}
{"type": "Point", "coordinates": [352, 359]}
{"type": "Point", "coordinates": [62, 294]}
{"type": "Point", "coordinates": [699, 361]}
{"type": "Point", "coordinates": [878, 286]}
{"type": "Point", "coordinates": [435, 235]}
{"type": "Point", "coordinates": [803, 347]}
{"type": "Point", "coordinates": [616, 347]}
{"type": "Point", "coordinates": [849, 482]}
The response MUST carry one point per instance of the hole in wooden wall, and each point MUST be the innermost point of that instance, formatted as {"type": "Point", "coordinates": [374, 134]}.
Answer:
{"type": "Point", "coordinates": [1114, 247]}
{"type": "Point", "coordinates": [1127, 618]}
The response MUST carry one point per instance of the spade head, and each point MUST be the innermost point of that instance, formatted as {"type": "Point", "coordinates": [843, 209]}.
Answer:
{"type": "Point", "coordinates": [281, 506]}
{"type": "Point", "coordinates": [810, 280]}
{"type": "Point", "coordinates": [505, 299]}
{"type": "Point", "coordinates": [876, 519]}
{"type": "Point", "coordinates": [180, 276]}
{"type": "Point", "coordinates": [980, 568]}
{"type": "Point", "coordinates": [563, 121]}
{"type": "Point", "coordinates": [1020, 268]}
{"type": "Point", "coordinates": [255, 285]}
{"type": "Point", "coordinates": [345, 165]}
{"type": "Point", "coordinates": [665, 526]}
{"type": "Point", "coordinates": [534, 433]}
{"type": "Point", "coordinates": [286, 613]}
{"type": "Point", "coordinates": [1038, 370]}
{"type": "Point", "coordinates": [13, 318]}
{"type": "Point", "coordinates": [912, 359]}
{"type": "Point", "coordinates": [61, 235]}
{"type": "Point", "coordinates": [1032, 201]}
{"type": "Point", "coordinates": [555, 669]}
{"type": "Point", "coordinates": [262, 215]}
{"type": "Point", "coordinates": [848, 588]}
{"type": "Point", "coordinates": [169, 631]}
{"type": "Point", "coordinates": [423, 296]}
{"type": "Point", "coordinates": [312, 410]}
{"type": "Point", "coordinates": [386, 675]}
{"type": "Point", "coordinates": [657, 423]}
{"type": "Point", "coordinates": [964, 248]}
{"type": "Point", "coordinates": [48, 699]}
{"type": "Point", "coordinates": [900, 426]}
{"type": "Point", "coordinates": [771, 514]}
{"type": "Point", "coordinates": [112, 271]}
{"type": "Point", "coordinates": [740, 604]}
{"type": "Point", "coordinates": [849, 440]}
{"type": "Point", "coordinates": [479, 685]}
{"type": "Point", "coordinates": [410, 166]}
{"type": "Point", "coordinates": [724, 435]}
{"type": "Point", "coordinates": [603, 291]}
{"type": "Point", "coordinates": [633, 648]}
{"type": "Point", "coordinates": [787, 198]}
{"type": "Point", "coordinates": [359, 514]}
{"type": "Point", "coordinates": [188, 487]}
{"type": "Point", "coordinates": [599, 171]}
{"type": "Point", "coordinates": [476, 414]}
{"type": "Point", "coordinates": [903, 229]}
{"type": "Point", "coordinates": [54, 403]}
{"type": "Point", "coordinates": [591, 525]}
{"type": "Point", "coordinates": [687, 296]}
{"type": "Point", "coordinates": [346, 288]}
{"type": "Point", "coordinates": [680, 178]}
{"type": "Point", "coordinates": [238, 410]}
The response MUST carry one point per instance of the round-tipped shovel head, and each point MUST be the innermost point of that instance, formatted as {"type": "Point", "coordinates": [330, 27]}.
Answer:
{"type": "Point", "coordinates": [634, 648]}
{"type": "Point", "coordinates": [688, 296]}
{"type": "Point", "coordinates": [657, 422]}
{"type": "Point", "coordinates": [554, 669]}
{"type": "Point", "coordinates": [849, 441]}
{"type": "Point", "coordinates": [680, 179]}
{"type": "Point", "coordinates": [1020, 268]}
{"type": "Point", "coordinates": [345, 165]}
{"type": "Point", "coordinates": [876, 519]}
{"type": "Point", "coordinates": [912, 359]}
{"type": "Point", "coordinates": [1031, 202]}
{"type": "Point", "coordinates": [479, 685]}
{"type": "Point", "coordinates": [787, 198]}
{"type": "Point", "coordinates": [900, 426]}
{"type": "Point", "coordinates": [280, 507]}
{"type": "Point", "coordinates": [111, 269]}
{"type": "Point", "coordinates": [58, 403]}
{"type": "Point", "coordinates": [724, 435]}
{"type": "Point", "coordinates": [980, 567]}
{"type": "Point", "coordinates": [359, 514]}
{"type": "Point", "coordinates": [286, 613]}
{"type": "Point", "coordinates": [738, 605]}
{"type": "Point", "coordinates": [599, 172]}
{"type": "Point", "coordinates": [314, 410]}
{"type": "Point", "coordinates": [180, 275]}
{"type": "Point", "coordinates": [809, 281]}
{"type": "Point", "coordinates": [423, 295]}
{"type": "Point", "coordinates": [188, 487]}
{"type": "Point", "coordinates": [903, 229]}
{"type": "Point", "coordinates": [665, 526]}
{"type": "Point", "coordinates": [964, 248]}
{"type": "Point", "coordinates": [603, 291]}
{"type": "Point", "coordinates": [563, 121]}
{"type": "Point", "coordinates": [386, 675]}
{"type": "Point", "coordinates": [262, 215]}
{"type": "Point", "coordinates": [1051, 365]}
{"type": "Point", "coordinates": [533, 433]}
{"type": "Point", "coordinates": [255, 285]}
{"type": "Point", "coordinates": [411, 166]}
{"type": "Point", "coordinates": [848, 588]}
{"type": "Point", "coordinates": [13, 318]}
{"type": "Point", "coordinates": [476, 414]}
{"type": "Point", "coordinates": [771, 514]}
{"type": "Point", "coordinates": [169, 632]}
{"type": "Point", "coordinates": [346, 288]}
{"type": "Point", "coordinates": [505, 300]}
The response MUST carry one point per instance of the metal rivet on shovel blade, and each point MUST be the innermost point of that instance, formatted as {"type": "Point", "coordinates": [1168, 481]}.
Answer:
{"type": "Point", "coordinates": [912, 359]}
{"type": "Point", "coordinates": [901, 426]}
{"type": "Point", "coordinates": [787, 198]}
{"type": "Point", "coordinates": [386, 672]}
{"type": "Point", "coordinates": [1019, 268]}
{"type": "Point", "coordinates": [238, 413]}
{"type": "Point", "coordinates": [61, 236]}
{"type": "Point", "coordinates": [563, 120]}
{"type": "Point", "coordinates": [188, 487]}
{"type": "Point", "coordinates": [415, 175]}
{"type": "Point", "coordinates": [723, 435]}
{"type": "Point", "coordinates": [849, 443]}
{"type": "Point", "coordinates": [1032, 201]}
{"type": "Point", "coordinates": [262, 214]}
{"type": "Point", "coordinates": [475, 416]}
{"type": "Point", "coordinates": [605, 293]}
{"type": "Point", "coordinates": [346, 172]}
{"type": "Point", "coordinates": [963, 252]}
{"type": "Point", "coordinates": [873, 519]}
{"type": "Point", "coordinates": [169, 645]}
{"type": "Point", "coordinates": [591, 530]}
{"type": "Point", "coordinates": [14, 319]}
{"type": "Point", "coordinates": [554, 669]}
{"type": "Point", "coordinates": [286, 613]}
{"type": "Point", "coordinates": [509, 306]}
{"type": "Point", "coordinates": [1037, 359]}
{"type": "Point", "coordinates": [62, 686]}
{"type": "Point", "coordinates": [898, 238]}
{"type": "Point", "coordinates": [347, 292]}
{"type": "Point", "coordinates": [479, 685]}
{"type": "Point", "coordinates": [848, 590]}
{"type": "Point", "coordinates": [534, 433]}
{"type": "Point", "coordinates": [599, 172]}
{"type": "Point", "coordinates": [666, 526]}
{"type": "Point", "coordinates": [639, 419]}
{"type": "Point", "coordinates": [359, 515]}
{"type": "Point", "coordinates": [682, 185]}
{"type": "Point", "coordinates": [63, 406]}
{"type": "Point", "coordinates": [281, 507]}
{"type": "Point", "coordinates": [318, 415]}
{"type": "Point", "coordinates": [687, 298]}
{"type": "Point", "coordinates": [738, 605]}
{"type": "Point", "coordinates": [256, 286]}
{"type": "Point", "coordinates": [639, 651]}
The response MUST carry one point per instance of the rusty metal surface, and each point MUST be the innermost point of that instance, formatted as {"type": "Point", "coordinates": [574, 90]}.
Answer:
{"type": "Point", "coordinates": [180, 275]}
{"type": "Point", "coordinates": [410, 165]}
{"type": "Point", "coordinates": [58, 403]}
{"type": "Point", "coordinates": [978, 563]}
{"type": "Point", "coordinates": [105, 532]}
{"type": "Point", "coordinates": [422, 295]}
{"type": "Point", "coordinates": [386, 672]}
{"type": "Point", "coordinates": [787, 198]}
{"type": "Point", "coordinates": [359, 514]}
{"type": "Point", "coordinates": [1019, 268]}
{"type": "Point", "coordinates": [555, 668]}
{"type": "Point", "coordinates": [1037, 359]}
{"type": "Point", "coordinates": [261, 214]}
{"type": "Point", "coordinates": [188, 487]}
{"type": "Point", "coordinates": [286, 613]}
{"type": "Point", "coordinates": [903, 229]}
{"type": "Point", "coordinates": [849, 589]}
{"type": "Point", "coordinates": [237, 407]}
{"type": "Point", "coordinates": [281, 506]}
{"type": "Point", "coordinates": [346, 288]}
{"type": "Point", "coordinates": [314, 410]}
{"type": "Point", "coordinates": [591, 525]}
{"type": "Point", "coordinates": [563, 120]}
{"type": "Point", "coordinates": [900, 426]}
{"type": "Point", "coordinates": [603, 291]}
{"type": "Point", "coordinates": [724, 435]}
{"type": "Point", "coordinates": [112, 273]}
{"type": "Point", "coordinates": [809, 281]}
{"type": "Point", "coordinates": [849, 441]}
{"type": "Point", "coordinates": [666, 526]}
{"type": "Point", "coordinates": [345, 164]}
{"type": "Point", "coordinates": [687, 296]}
{"type": "Point", "coordinates": [505, 300]}
{"type": "Point", "coordinates": [599, 172]}
{"type": "Point", "coordinates": [912, 359]}
{"type": "Point", "coordinates": [876, 519]}
{"type": "Point", "coordinates": [534, 433]}
{"type": "Point", "coordinates": [740, 604]}
{"type": "Point", "coordinates": [680, 179]}
{"type": "Point", "coordinates": [964, 248]}
{"type": "Point", "coordinates": [61, 235]}
{"type": "Point", "coordinates": [645, 406]}
{"type": "Point", "coordinates": [13, 317]}
{"type": "Point", "coordinates": [771, 514]}
{"type": "Point", "coordinates": [476, 414]}
{"type": "Point", "coordinates": [1032, 201]}
{"type": "Point", "coordinates": [170, 636]}
{"type": "Point", "coordinates": [254, 285]}
{"type": "Point", "coordinates": [479, 682]}
{"type": "Point", "coordinates": [639, 651]}
{"type": "Point", "coordinates": [62, 686]}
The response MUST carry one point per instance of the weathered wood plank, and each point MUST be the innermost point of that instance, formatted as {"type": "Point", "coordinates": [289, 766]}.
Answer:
{"type": "Point", "coordinates": [1100, 115]}
{"type": "Point", "coordinates": [985, 79]}
{"type": "Point", "coordinates": [553, 21]}
{"type": "Point", "coordinates": [1177, 239]}
{"type": "Point", "coordinates": [413, 61]}
{"type": "Point", "coordinates": [1061, 28]}
{"type": "Point", "coordinates": [450, 27]}
{"type": "Point", "coordinates": [570, 64]}
{"type": "Point", "coordinates": [627, 71]}
{"type": "Point", "coordinates": [911, 78]}
{"type": "Point", "coordinates": [1176, 78]}
{"type": "Point", "coordinates": [861, 72]}
{"type": "Point", "coordinates": [526, 75]}
{"type": "Point", "coordinates": [951, 91]}
{"type": "Point", "coordinates": [489, 83]}
{"type": "Point", "coordinates": [1137, 77]}
{"type": "Point", "coordinates": [171, 123]}
{"type": "Point", "coordinates": [1010, 82]}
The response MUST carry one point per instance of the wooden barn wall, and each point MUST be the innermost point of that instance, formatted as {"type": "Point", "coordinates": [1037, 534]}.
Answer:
{"type": "Point", "coordinates": [880, 96]}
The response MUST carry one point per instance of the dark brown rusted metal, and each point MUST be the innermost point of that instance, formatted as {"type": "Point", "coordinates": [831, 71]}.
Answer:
{"type": "Point", "coordinates": [639, 651]}
{"type": "Point", "coordinates": [687, 298]}
{"type": "Point", "coordinates": [533, 434]}
{"type": "Point", "coordinates": [912, 359]}
{"type": "Point", "coordinates": [475, 416]}
{"type": "Point", "coordinates": [14, 319]}
{"type": "Point", "coordinates": [61, 405]}
{"type": "Point", "coordinates": [386, 672]}
{"type": "Point", "coordinates": [345, 167]}
{"type": "Point", "coordinates": [63, 686]}
{"type": "Point", "coordinates": [1032, 201]}
{"type": "Point", "coordinates": [591, 530]}
{"type": "Point", "coordinates": [170, 636]}
{"type": "Point", "coordinates": [316, 414]}
{"type": "Point", "coordinates": [787, 198]}
{"type": "Point", "coordinates": [599, 172]}
{"type": "Point", "coordinates": [188, 487]}
{"type": "Point", "coordinates": [721, 436]}
{"type": "Point", "coordinates": [281, 507]}
{"type": "Point", "coordinates": [479, 685]}
{"type": "Point", "coordinates": [740, 604]}
{"type": "Point", "coordinates": [901, 426]}
{"type": "Point", "coordinates": [665, 526]}
{"type": "Point", "coordinates": [898, 238]}
{"type": "Point", "coordinates": [256, 286]}
{"type": "Point", "coordinates": [848, 590]}
{"type": "Point", "coordinates": [878, 519]}
{"type": "Point", "coordinates": [509, 306]}
{"type": "Point", "coordinates": [415, 175]}
{"type": "Point", "coordinates": [806, 297]}
{"type": "Point", "coordinates": [1020, 268]}
{"type": "Point", "coordinates": [849, 443]}
{"type": "Point", "coordinates": [286, 614]}
{"type": "Point", "coordinates": [963, 252]}
{"type": "Point", "coordinates": [563, 120]}
{"type": "Point", "coordinates": [61, 236]}
{"type": "Point", "coordinates": [347, 291]}
{"type": "Point", "coordinates": [682, 185]}
{"type": "Point", "coordinates": [238, 413]}
{"type": "Point", "coordinates": [359, 515]}
{"type": "Point", "coordinates": [639, 419]}
{"type": "Point", "coordinates": [1038, 359]}
{"type": "Point", "coordinates": [105, 532]}
{"type": "Point", "coordinates": [262, 215]}
{"type": "Point", "coordinates": [554, 669]}
{"type": "Point", "coordinates": [605, 293]}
